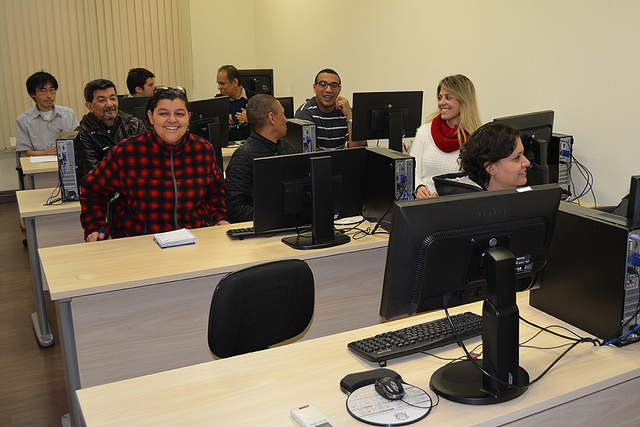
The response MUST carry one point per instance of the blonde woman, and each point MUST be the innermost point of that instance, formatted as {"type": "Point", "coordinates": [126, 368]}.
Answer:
{"type": "Point", "coordinates": [437, 143]}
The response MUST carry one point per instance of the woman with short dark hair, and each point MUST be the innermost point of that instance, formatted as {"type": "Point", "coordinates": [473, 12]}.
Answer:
{"type": "Point", "coordinates": [492, 159]}
{"type": "Point", "coordinates": [166, 178]}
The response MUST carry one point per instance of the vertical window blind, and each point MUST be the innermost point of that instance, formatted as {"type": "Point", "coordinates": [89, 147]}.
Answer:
{"type": "Point", "coordinates": [81, 40]}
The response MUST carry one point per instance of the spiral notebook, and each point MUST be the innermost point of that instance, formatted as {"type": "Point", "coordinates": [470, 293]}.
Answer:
{"type": "Point", "coordinates": [175, 238]}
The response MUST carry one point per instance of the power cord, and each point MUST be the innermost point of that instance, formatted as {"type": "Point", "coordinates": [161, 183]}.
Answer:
{"type": "Point", "coordinates": [475, 363]}
{"type": "Point", "coordinates": [588, 177]}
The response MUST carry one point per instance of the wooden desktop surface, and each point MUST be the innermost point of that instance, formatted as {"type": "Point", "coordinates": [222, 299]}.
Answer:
{"type": "Point", "coordinates": [137, 309]}
{"type": "Point", "coordinates": [84, 269]}
{"type": "Point", "coordinates": [589, 386]}
{"type": "Point", "coordinates": [32, 203]}
{"type": "Point", "coordinates": [56, 224]}
{"type": "Point", "coordinates": [29, 168]}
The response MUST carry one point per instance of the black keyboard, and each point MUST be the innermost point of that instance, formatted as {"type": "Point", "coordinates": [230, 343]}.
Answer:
{"type": "Point", "coordinates": [249, 232]}
{"type": "Point", "coordinates": [418, 338]}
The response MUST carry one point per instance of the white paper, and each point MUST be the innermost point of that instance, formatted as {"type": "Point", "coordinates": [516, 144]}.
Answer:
{"type": "Point", "coordinates": [43, 159]}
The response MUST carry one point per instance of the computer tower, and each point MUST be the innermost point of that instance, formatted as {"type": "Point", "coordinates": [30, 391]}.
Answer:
{"type": "Point", "coordinates": [389, 176]}
{"type": "Point", "coordinates": [559, 158]}
{"type": "Point", "coordinates": [302, 135]}
{"type": "Point", "coordinates": [591, 277]}
{"type": "Point", "coordinates": [67, 166]}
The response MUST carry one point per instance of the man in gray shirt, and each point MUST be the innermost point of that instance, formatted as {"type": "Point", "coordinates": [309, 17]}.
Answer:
{"type": "Point", "coordinates": [38, 127]}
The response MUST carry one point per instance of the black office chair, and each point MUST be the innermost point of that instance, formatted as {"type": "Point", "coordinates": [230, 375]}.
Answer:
{"type": "Point", "coordinates": [260, 306]}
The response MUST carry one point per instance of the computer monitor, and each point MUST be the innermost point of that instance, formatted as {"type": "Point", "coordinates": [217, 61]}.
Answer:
{"type": "Point", "coordinates": [260, 81]}
{"type": "Point", "coordinates": [392, 115]}
{"type": "Point", "coordinates": [287, 104]}
{"type": "Point", "coordinates": [210, 120]}
{"type": "Point", "coordinates": [130, 103]}
{"type": "Point", "coordinates": [457, 249]}
{"type": "Point", "coordinates": [303, 189]}
{"type": "Point", "coordinates": [535, 132]}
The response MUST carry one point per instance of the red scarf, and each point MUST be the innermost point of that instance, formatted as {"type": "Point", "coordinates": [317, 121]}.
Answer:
{"type": "Point", "coordinates": [444, 136]}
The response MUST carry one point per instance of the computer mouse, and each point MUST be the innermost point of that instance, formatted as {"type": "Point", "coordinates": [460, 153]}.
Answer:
{"type": "Point", "coordinates": [389, 388]}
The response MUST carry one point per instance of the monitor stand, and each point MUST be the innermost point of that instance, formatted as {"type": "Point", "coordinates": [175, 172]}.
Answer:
{"type": "Point", "coordinates": [463, 381]}
{"type": "Point", "coordinates": [395, 131]}
{"type": "Point", "coordinates": [323, 234]}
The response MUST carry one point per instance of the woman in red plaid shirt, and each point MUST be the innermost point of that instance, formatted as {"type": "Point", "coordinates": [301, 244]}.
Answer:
{"type": "Point", "coordinates": [166, 178]}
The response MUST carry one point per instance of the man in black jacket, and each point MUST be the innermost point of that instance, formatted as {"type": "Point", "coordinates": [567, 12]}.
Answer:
{"type": "Point", "coordinates": [104, 126]}
{"type": "Point", "coordinates": [268, 125]}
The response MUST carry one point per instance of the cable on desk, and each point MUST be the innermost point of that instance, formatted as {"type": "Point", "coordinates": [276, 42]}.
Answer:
{"type": "Point", "coordinates": [55, 198]}
{"type": "Point", "coordinates": [618, 339]}
{"type": "Point", "coordinates": [473, 360]}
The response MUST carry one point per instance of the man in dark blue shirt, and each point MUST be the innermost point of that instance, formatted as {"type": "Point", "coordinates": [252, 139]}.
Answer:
{"type": "Point", "coordinates": [229, 85]}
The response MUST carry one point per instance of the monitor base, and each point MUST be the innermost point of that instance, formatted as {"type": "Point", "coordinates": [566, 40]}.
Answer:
{"type": "Point", "coordinates": [462, 382]}
{"type": "Point", "coordinates": [306, 242]}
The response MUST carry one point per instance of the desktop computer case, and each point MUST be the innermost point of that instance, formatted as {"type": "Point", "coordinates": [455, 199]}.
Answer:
{"type": "Point", "coordinates": [389, 176]}
{"type": "Point", "coordinates": [67, 166]}
{"type": "Point", "coordinates": [559, 159]}
{"type": "Point", "coordinates": [591, 278]}
{"type": "Point", "coordinates": [302, 135]}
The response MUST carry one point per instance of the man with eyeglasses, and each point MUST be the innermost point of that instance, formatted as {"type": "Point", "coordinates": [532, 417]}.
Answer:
{"type": "Point", "coordinates": [38, 127]}
{"type": "Point", "coordinates": [330, 112]}
{"type": "Point", "coordinates": [104, 126]}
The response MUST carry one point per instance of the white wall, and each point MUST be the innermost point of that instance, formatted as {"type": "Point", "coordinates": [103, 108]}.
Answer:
{"type": "Point", "coordinates": [222, 32]}
{"type": "Point", "coordinates": [579, 58]}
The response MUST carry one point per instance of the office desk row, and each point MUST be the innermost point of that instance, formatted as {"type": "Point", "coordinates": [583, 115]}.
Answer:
{"type": "Point", "coordinates": [589, 386]}
{"type": "Point", "coordinates": [128, 308]}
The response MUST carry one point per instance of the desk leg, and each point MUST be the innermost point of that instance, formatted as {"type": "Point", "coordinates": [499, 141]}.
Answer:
{"type": "Point", "coordinates": [39, 318]}
{"type": "Point", "coordinates": [31, 181]}
{"type": "Point", "coordinates": [69, 359]}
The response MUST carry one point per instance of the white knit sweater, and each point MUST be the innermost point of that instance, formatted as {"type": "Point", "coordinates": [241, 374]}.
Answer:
{"type": "Point", "coordinates": [430, 160]}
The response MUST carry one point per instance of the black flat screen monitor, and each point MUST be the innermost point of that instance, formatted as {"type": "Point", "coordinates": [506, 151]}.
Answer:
{"type": "Point", "coordinates": [462, 248]}
{"type": "Point", "coordinates": [210, 120]}
{"type": "Point", "coordinates": [288, 193]}
{"type": "Point", "coordinates": [287, 104]}
{"type": "Point", "coordinates": [130, 103]}
{"type": "Point", "coordinates": [392, 115]}
{"type": "Point", "coordinates": [535, 130]}
{"type": "Point", "coordinates": [259, 81]}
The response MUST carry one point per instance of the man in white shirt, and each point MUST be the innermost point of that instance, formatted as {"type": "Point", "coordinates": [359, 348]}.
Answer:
{"type": "Point", "coordinates": [38, 127]}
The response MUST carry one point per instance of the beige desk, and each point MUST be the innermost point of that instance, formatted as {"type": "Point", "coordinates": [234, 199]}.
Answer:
{"type": "Point", "coordinates": [39, 175]}
{"type": "Point", "coordinates": [46, 225]}
{"type": "Point", "coordinates": [589, 386]}
{"type": "Point", "coordinates": [128, 308]}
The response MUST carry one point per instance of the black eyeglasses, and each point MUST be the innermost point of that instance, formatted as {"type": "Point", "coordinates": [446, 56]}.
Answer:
{"type": "Point", "coordinates": [163, 88]}
{"type": "Point", "coordinates": [324, 85]}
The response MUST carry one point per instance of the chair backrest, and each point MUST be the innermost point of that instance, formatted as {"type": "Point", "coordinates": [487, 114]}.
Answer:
{"type": "Point", "coordinates": [254, 308]}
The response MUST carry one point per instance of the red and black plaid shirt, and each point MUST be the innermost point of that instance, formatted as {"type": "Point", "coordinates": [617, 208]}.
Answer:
{"type": "Point", "coordinates": [162, 187]}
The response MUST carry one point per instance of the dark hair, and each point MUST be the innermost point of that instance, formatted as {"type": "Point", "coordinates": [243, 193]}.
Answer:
{"type": "Point", "coordinates": [137, 77]}
{"type": "Point", "coordinates": [232, 72]}
{"type": "Point", "coordinates": [39, 79]}
{"type": "Point", "coordinates": [167, 93]}
{"type": "Point", "coordinates": [328, 71]}
{"type": "Point", "coordinates": [488, 144]}
{"type": "Point", "coordinates": [258, 109]}
{"type": "Point", "coordinates": [97, 84]}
